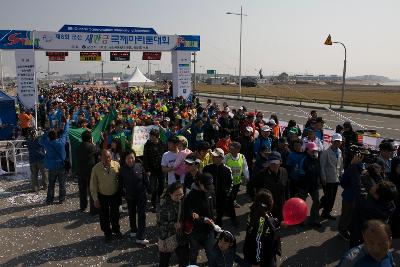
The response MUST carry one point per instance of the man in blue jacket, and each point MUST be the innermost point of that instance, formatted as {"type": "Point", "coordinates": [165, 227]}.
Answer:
{"type": "Point", "coordinates": [36, 157]}
{"type": "Point", "coordinates": [54, 162]}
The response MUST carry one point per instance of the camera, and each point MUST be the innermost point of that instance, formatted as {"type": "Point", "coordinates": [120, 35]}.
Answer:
{"type": "Point", "coordinates": [370, 155]}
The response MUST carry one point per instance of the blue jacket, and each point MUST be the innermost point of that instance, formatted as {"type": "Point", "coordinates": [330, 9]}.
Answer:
{"type": "Point", "coordinates": [221, 259]}
{"type": "Point", "coordinates": [260, 142]}
{"type": "Point", "coordinates": [359, 257]}
{"type": "Point", "coordinates": [36, 150]}
{"type": "Point", "coordinates": [55, 150]}
{"type": "Point", "coordinates": [293, 165]}
{"type": "Point", "coordinates": [351, 183]}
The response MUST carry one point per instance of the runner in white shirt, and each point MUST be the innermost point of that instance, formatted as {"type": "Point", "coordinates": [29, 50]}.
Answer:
{"type": "Point", "coordinates": [169, 157]}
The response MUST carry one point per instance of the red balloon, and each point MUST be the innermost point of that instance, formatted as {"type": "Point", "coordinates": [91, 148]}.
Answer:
{"type": "Point", "coordinates": [294, 211]}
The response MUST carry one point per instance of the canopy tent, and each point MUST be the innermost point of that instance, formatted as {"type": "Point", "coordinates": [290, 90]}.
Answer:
{"type": "Point", "coordinates": [138, 79]}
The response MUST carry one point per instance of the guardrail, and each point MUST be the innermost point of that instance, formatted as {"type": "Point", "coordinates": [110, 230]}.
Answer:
{"type": "Point", "coordinates": [12, 153]}
{"type": "Point", "coordinates": [355, 106]}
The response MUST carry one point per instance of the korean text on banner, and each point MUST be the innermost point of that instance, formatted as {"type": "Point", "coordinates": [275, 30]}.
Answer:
{"type": "Point", "coordinates": [25, 64]}
{"type": "Point", "coordinates": [140, 136]}
{"type": "Point", "coordinates": [181, 74]}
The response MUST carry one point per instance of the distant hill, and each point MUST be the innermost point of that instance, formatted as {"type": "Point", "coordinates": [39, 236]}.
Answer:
{"type": "Point", "coordinates": [370, 78]}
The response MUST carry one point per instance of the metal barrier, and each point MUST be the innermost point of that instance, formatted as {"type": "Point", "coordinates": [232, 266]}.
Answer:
{"type": "Point", "coordinates": [13, 152]}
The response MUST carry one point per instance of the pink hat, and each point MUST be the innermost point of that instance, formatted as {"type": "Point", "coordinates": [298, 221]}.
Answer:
{"type": "Point", "coordinates": [312, 146]}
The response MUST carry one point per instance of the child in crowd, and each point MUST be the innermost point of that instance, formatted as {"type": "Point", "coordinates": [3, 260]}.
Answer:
{"type": "Point", "coordinates": [223, 253]}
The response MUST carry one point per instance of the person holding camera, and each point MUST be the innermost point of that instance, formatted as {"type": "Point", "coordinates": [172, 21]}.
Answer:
{"type": "Point", "coordinates": [386, 152]}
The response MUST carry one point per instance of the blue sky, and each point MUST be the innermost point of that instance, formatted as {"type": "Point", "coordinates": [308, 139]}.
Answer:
{"type": "Point", "coordinates": [278, 35]}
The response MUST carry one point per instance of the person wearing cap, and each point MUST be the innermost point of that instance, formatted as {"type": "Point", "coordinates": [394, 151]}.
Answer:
{"type": "Point", "coordinates": [283, 148]}
{"type": "Point", "coordinates": [386, 152]}
{"type": "Point", "coordinates": [168, 159]}
{"type": "Point", "coordinates": [36, 161]}
{"type": "Point", "coordinates": [275, 179]}
{"type": "Point", "coordinates": [274, 124]}
{"type": "Point", "coordinates": [310, 182]}
{"type": "Point", "coordinates": [331, 161]}
{"type": "Point", "coordinates": [192, 166]}
{"type": "Point", "coordinates": [224, 120]}
{"type": "Point", "coordinates": [152, 155]}
{"type": "Point", "coordinates": [261, 160]}
{"type": "Point", "coordinates": [238, 165]}
{"type": "Point", "coordinates": [198, 209]}
{"type": "Point", "coordinates": [259, 121]}
{"type": "Point", "coordinates": [225, 140]}
{"type": "Point", "coordinates": [311, 137]}
{"type": "Point", "coordinates": [293, 166]}
{"type": "Point", "coordinates": [264, 139]}
{"type": "Point", "coordinates": [222, 177]}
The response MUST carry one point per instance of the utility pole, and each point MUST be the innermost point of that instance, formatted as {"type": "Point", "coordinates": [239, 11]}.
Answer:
{"type": "Point", "coordinates": [102, 70]}
{"type": "Point", "coordinates": [194, 69]}
{"type": "Point", "coordinates": [48, 69]}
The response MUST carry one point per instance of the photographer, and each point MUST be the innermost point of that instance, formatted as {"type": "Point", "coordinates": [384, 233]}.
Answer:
{"type": "Point", "coordinates": [351, 184]}
{"type": "Point", "coordinates": [386, 149]}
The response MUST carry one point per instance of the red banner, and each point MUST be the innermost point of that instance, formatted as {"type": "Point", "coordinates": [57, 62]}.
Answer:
{"type": "Point", "coordinates": [151, 56]}
{"type": "Point", "coordinates": [56, 58]}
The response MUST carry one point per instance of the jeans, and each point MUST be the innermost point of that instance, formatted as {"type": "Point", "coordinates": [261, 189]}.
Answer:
{"type": "Point", "coordinates": [328, 199]}
{"type": "Point", "coordinates": [55, 175]}
{"type": "Point", "coordinates": [35, 168]}
{"type": "Point", "coordinates": [314, 212]}
{"type": "Point", "coordinates": [182, 253]}
{"type": "Point", "coordinates": [235, 191]}
{"type": "Point", "coordinates": [83, 183]}
{"type": "Point", "coordinates": [137, 204]}
{"type": "Point", "coordinates": [198, 240]}
{"type": "Point", "coordinates": [109, 213]}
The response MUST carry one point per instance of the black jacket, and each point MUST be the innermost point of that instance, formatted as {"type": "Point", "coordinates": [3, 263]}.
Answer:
{"type": "Point", "coordinates": [152, 155]}
{"type": "Point", "coordinates": [86, 157]}
{"type": "Point", "coordinates": [199, 202]}
{"type": "Point", "coordinates": [222, 178]}
{"type": "Point", "coordinates": [277, 184]}
{"type": "Point", "coordinates": [133, 180]}
{"type": "Point", "coordinates": [247, 149]}
{"type": "Point", "coordinates": [262, 242]}
{"type": "Point", "coordinates": [311, 177]}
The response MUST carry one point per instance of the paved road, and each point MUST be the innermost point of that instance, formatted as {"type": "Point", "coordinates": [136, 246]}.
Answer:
{"type": "Point", "coordinates": [33, 234]}
{"type": "Point", "coordinates": [386, 126]}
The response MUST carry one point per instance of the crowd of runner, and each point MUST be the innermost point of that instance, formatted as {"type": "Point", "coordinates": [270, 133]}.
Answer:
{"type": "Point", "coordinates": [195, 163]}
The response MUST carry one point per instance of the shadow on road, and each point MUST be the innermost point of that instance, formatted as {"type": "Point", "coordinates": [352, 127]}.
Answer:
{"type": "Point", "coordinates": [326, 253]}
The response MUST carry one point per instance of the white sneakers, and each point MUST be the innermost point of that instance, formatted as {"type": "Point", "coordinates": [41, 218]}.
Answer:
{"type": "Point", "coordinates": [143, 242]}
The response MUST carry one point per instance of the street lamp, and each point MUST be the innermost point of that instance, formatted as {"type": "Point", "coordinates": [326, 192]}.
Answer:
{"type": "Point", "coordinates": [240, 47]}
{"type": "Point", "coordinates": [328, 41]}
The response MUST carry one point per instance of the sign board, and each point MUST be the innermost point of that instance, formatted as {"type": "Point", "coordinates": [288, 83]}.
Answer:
{"type": "Point", "coordinates": [25, 63]}
{"type": "Point", "coordinates": [56, 58]}
{"type": "Point", "coordinates": [80, 41]}
{"type": "Point", "coordinates": [106, 29]}
{"type": "Point", "coordinates": [57, 54]}
{"type": "Point", "coordinates": [181, 73]}
{"type": "Point", "coordinates": [140, 135]}
{"type": "Point", "coordinates": [151, 56]}
{"type": "Point", "coordinates": [90, 56]}
{"type": "Point", "coordinates": [188, 43]}
{"type": "Point", "coordinates": [210, 72]}
{"type": "Point", "coordinates": [120, 56]}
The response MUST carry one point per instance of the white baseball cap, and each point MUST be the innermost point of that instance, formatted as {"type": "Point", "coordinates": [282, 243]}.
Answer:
{"type": "Point", "coordinates": [336, 137]}
{"type": "Point", "coordinates": [265, 128]}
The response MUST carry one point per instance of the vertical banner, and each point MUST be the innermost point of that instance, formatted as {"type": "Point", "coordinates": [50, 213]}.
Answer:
{"type": "Point", "coordinates": [181, 73]}
{"type": "Point", "coordinates": [25, 64]}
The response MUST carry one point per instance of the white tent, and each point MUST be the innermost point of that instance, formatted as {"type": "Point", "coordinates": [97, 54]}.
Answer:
{"type": "Point", "coordinates": [138, 79]}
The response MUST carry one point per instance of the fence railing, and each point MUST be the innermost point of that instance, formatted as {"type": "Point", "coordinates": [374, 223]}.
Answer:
{"type": "Point", "coordinates": [12, 153]}
{"type": "Point", "coordinates": [368, 107]}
